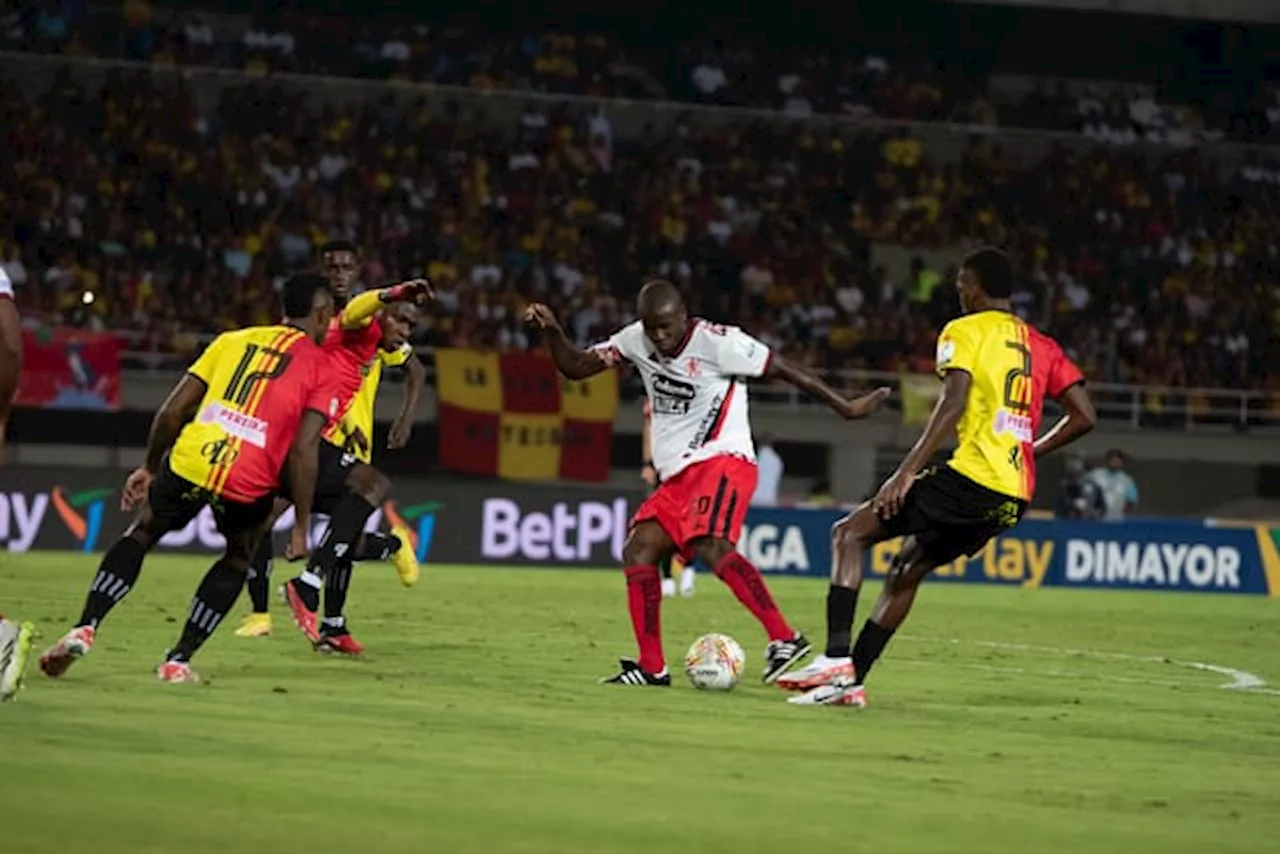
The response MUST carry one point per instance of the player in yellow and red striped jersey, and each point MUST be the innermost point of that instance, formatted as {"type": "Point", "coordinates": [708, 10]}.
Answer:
{"type": "Point", "coordinates": [243, 420]}
{"type": "Point", "coordinates": [996, 372]}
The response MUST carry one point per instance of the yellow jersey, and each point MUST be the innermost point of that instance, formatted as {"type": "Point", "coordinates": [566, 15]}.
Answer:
{"type": "Point", "coordinates": [358, 414]}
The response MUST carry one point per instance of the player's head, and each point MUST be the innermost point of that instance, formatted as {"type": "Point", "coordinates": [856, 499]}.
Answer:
{"type": "Point", "coordinates": [1115, 459]}
{"type": "Point", "coordinates": [662, 312]}
{"type": "Point", "coordinates": [398, 322]}
{"type": "Point", "coordinates": [985, 280]}
{"type": "Point", "coordinates": [308, 304]}
{"type": "Point", "coordinates": [340, 262]}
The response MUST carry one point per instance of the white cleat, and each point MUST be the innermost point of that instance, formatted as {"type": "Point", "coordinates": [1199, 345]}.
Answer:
{"type": "Point", "coordinates": [841, 693]}
{"type": "Point", "coordinates": [15, 649]}
{"type": "Point", "coordinates": [176, 672]}
{"type": "Point", "coordinates": [688, 578]}
{"type": "Point", "coordinates": [821, 671]}
{"type": "Point", "coordinates": [668, 588]}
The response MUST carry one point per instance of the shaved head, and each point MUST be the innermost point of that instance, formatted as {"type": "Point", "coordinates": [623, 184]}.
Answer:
{"type": "Point", "coordinates": [662, 312]}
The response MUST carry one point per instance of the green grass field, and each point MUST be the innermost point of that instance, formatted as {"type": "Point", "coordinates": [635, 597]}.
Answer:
{"type": "Point", "coordinates": [473, 724]}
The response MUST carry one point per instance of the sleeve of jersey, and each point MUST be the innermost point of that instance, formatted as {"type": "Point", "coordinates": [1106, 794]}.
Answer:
{"type": "Point", "coordinates": [397, 357]}
{"type": "Point", "coordinates": [1064, 375]}
{"type": "Point", "coordinates": [613, 350]}
{"type": "Point", "coordinates": [324, 392]}
{"type": "Point", "coordinates": [204, 367]}
{"type": "Point", "coordinates": [743, 356]}
{"type": "Point", "coordinates": [956, 350]}
{"type": "Point", "coordinates": [6, 286]}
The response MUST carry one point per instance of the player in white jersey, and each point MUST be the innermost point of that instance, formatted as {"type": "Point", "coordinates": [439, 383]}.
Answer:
{"type": "Point", "coordinates": [15, 637]}
{"type": "Point", "coordinates": [694, 373]}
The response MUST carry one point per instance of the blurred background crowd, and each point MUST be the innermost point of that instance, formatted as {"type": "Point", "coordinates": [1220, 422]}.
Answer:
{"type": "Point", "coordinates": [164, 209]}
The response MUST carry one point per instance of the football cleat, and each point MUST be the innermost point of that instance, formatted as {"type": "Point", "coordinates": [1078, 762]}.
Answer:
{"type": "Point", "coordinates": [403, 558]}
{"type": "Point", "coordinates": [176, 672]}
{"type": "Point", "coordinates": [839, 693]}
{"type": "Point", "coordinates": [15, 649]}
{"type": "Point", "coordinates": [254, 626]}
{"type": "Point", "coordinates": [688, 581]}
{"type": "Point", "coordinates": [304, 616]}
{"type": "Point", "coordinates": [780, 656]}
{"type": "Point", "coordinates": [668, 588]}
{"type": "Point", "coordinates": [74, 644]}
{"type": "Point", "coordinates": [821, 671]}
{"type": "Point", "coordinates": [338, 642]}
{"type": "Point", "coordinates": [632, 675]}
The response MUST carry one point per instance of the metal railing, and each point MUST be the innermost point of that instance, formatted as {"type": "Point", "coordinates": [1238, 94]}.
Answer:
{"type": "Point", "coordinates": [1137, 407]}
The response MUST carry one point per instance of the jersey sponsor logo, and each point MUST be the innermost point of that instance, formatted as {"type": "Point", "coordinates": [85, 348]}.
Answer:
{"type": "Point", "coordinates": [707, 423]}
{"type": "Point", "coordinates": [219, 452]}
{"type": "Point", "coordinates": [1110, 562]}
{"type": "Point", "coordinates": [1016, 425]}
{"type": "Point", "coordinates": [671, 396]}
{"type": "Point", "coordinates": [243, 427]}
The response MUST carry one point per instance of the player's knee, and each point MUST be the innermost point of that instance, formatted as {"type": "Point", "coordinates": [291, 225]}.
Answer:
{"type": "Point", "coordinates": [645, 546]}
{"type": "Point", "coordinates": [370, 484]}
{"type": "Point", "coordinates": [851, 532]}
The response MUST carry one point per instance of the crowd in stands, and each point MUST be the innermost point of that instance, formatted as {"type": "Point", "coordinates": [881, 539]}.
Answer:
{"type": "Point", "coordinates": [182, 221]}
{"type": "Point", "coordinates": [746, 71]}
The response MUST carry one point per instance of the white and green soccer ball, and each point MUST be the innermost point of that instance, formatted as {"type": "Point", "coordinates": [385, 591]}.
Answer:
{"type": "Point", "coordinates": [715, 663]}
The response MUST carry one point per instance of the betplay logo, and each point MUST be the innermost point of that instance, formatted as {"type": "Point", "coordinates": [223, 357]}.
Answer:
{"type": "Point", "coordinates": [82, 513]}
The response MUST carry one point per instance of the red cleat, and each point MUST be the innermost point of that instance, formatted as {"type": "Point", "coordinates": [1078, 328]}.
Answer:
{"type": "Point", "coordinates": [339, 644]}
{"type": "Point", "coordinates": [303, 616]}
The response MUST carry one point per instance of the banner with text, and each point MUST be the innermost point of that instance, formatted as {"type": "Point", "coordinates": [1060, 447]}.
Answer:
{"type": "Point", "coordinates": [512, 415]}
{"type": "Point", "coordinates": [69, 369]}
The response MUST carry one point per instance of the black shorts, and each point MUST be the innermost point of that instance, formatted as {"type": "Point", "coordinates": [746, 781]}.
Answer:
{"type": "Point", "coordinates": [175, 501]}
{"type": "Point", "coordinates": [951, 515]}
{"type": "Point", "coordinates": [333, 465]}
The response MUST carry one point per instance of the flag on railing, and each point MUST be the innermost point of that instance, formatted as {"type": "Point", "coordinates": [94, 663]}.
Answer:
{"type": "Point", "coordinates": [513, 416]}
{"type": "Point", "coordinates": [69, 369]}
{"type": "Point", "coordinates": [919, 394]}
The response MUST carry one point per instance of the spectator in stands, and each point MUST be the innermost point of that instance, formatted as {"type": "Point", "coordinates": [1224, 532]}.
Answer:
{"type": "Point", "coordinates": [770, 469]}
{"type": "Point", "coordinates": [1079, 495]}
{"type": "Point", "coordinates": [1119, 491]}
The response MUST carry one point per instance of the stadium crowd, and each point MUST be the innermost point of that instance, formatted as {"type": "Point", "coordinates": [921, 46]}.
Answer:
{"type": "Point", "coordinates": [884, 76]}
{"type": "Point", "coordinates": [181, 221]}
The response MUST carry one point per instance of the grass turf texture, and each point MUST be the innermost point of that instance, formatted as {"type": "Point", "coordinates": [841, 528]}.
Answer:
{"type": "Point", "coordinates": [473, 725]}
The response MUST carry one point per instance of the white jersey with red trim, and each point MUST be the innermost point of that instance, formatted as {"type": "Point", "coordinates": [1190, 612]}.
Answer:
{"type": "Point", "coordinates": [698, 397]}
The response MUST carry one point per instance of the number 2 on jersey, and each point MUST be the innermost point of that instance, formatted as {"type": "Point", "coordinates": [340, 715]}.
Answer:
{"type": "Point", "coordinates": [244, 382]}
{"type": "Point", "coordinates": [1017, 383]}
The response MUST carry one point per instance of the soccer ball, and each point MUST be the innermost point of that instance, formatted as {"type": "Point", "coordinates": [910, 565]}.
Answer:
{"type": "Point", "coordinates": [714, 663]}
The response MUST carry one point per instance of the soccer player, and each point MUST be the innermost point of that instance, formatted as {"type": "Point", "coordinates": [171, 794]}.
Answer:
{"type": "Point", "coordinates": [349, 489]}
{"type": "Point", "coordinates": [649, 474]}
{"type": "Point", "coordinates": [694, 374]}
{"type": "Point", "coordinates": [15, 637]}
{"type": "Point", "coordinates": [348, 439]}
{"type": "Point", "coordinates": [996, 372]}
{"type": "Point", "coordinates": [253, 403]}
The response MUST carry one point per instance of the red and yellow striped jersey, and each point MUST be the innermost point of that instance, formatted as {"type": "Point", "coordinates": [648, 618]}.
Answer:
{"type": "Point", "coordinates": [358, 411]}
{"type": "Point", "coordinates": [1013, 368]}
{"type": "Point", "coordinates": [258, 383]}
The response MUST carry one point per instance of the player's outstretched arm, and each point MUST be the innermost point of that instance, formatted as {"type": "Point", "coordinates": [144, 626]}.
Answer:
{"type": "Point", "coordinates": [942, 423]}
{"type": "Point", "coordinates": [572, 361]}
{"type": "Point", "coordinates": [1079, 418]}
{"type": "Point", "coordinates": [402, 427]}
{"type": "Point", "coordinates": [360, 311]}
{"type": "Point", "coordinates": [858, 407]}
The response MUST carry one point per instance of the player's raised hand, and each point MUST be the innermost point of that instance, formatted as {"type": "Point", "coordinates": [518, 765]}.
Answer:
{"type": "Point", "coordinates": [538, 315]}
{"type": "Point", "coordinates": [861, 407]}
{"type": "Point", "coordinates": [416, 291]}
{"type": "Point", "coordinates": [135, 489]}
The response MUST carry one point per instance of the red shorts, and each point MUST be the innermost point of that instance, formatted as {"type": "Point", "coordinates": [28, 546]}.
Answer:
{"type": "Point", "coordinates": [707, 499]}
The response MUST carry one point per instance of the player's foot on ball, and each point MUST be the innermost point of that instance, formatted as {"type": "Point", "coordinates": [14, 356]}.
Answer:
{"type": "Point", "coordinates": [176, 672]}
{"type": "Point", "coordinates": [302, 611]}
{"type": "Point", "coordinates": [74, 644]}
{"type": "Point", "coordinates": [781, 655]}
{"type": "Point", "coordinates": [668, 588]}
{"type": "Point", "coordinates": [821, 671]}
{"type": "Point", "coordinates": [15, 649]}
{"type": "Point", "coordinates": [632, 675]}
{"type": "Point", "coordinates": [405, 561]}
{"type": "Point", "coordinates": [688, 579]}
{"type": "Point", "coordinates": [839, 693]}
{"type": "Point", "coordinates": [254, 626]}
{"type": "Point", "coordinates": [338, 642]}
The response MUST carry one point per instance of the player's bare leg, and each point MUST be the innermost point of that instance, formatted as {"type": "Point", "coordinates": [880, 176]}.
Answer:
{"type": "Point", "coordinates": [786, 645]}
{"type": "Point", "coordinates": [117, 575]}
{"type": "Point", "coordinates": [909, 568]}
{"type": "Point", "coordinates": [647, 545]}
{"type": "Point", "coordinates": [850, 539]}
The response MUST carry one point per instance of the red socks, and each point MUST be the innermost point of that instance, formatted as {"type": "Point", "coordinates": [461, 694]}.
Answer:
{"type": "Point", "coordinates": [748, 585]}
{"type": "Point", "coordinates": [644, 599]}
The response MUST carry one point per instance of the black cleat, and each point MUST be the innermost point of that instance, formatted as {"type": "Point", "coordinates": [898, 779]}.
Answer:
{"type": "Point", "coordinates": [780, 656]}
{"type": "Point", "coordinates": [632, 675]}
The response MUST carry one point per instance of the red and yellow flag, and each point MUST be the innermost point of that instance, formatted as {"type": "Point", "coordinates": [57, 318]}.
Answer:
{"type": "Point", "coordinates": [512, 415]}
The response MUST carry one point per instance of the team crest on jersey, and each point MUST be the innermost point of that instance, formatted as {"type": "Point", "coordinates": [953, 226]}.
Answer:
{"type": "Point", "coordinates": [693, 367]}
